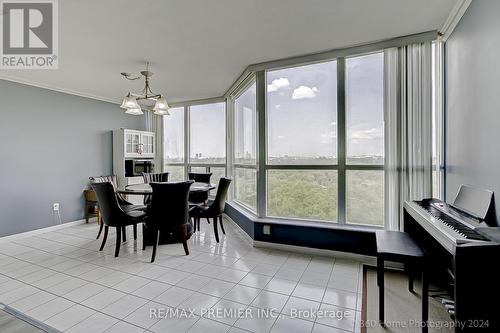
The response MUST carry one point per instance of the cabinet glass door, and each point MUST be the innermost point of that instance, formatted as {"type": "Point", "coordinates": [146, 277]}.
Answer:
{"type": "Point", "coordinates": [147, 141]}
{"type": "Point", "coordinates": [132, 143]}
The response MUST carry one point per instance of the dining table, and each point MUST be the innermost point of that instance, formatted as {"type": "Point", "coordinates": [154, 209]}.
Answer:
{"type": "Point", "coordinates": [146, 189]}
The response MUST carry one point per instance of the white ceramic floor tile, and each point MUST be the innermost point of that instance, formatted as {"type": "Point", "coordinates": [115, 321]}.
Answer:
{"type": "Point", "coordinates": [255, 280]}
{"type": "Point", "coordinates": [209, 326]}
{"type": "Point", "coordinates": [174, 296]}
{"type": "Point", "coordinates": [131, 284]}
{"type": "Point", "coordinates": [147, 315]}
{"type": "Point", "coordinates": [257, 321]}
{"type": "Point", "coordinates": [103, 299]}
{"type": "Point", "coordinates": [70, 317]}
{"type": "Point", "coordinates": [32, 301]}
{"type": "Point", "coordinates": [96, 323]}
{"type": "Point", "coordinates": [50, 309]}
{"type": "Point", "coordinates": [198, 303]}
{"type": "Point", "coordinates": [123, 327]}
{"type": "Point", "coordinates": [226, 312]}
{"type": "Point", "coordinates": [152, 290]}
{"type": "Point", "coordinates": [309, 291]}
{"type": "Point", "coordinates": [82, 293]}
{"type": "Point", "coordinates": [124, 306]}
{"type": "Point", "coordinates": [286, 324]}
{"type": "Point", "coordinates": [174, 325]}
{"type": "Point", "coordinates": [281, 286]}
{"type": "Point", "coordinates": [341, 298]}
{"type": "Point", "coordinates": [242, 294]}
{"type": "Point", "coordinates": [270, 300]}
{"type": "Point", "coordinates": [301, 308]}
{"type": "Point", "coordinates": [217, 287]}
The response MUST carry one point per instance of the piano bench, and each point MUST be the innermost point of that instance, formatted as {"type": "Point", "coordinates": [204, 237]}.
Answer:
{"type": "Point", "coordinates": [399, 247]}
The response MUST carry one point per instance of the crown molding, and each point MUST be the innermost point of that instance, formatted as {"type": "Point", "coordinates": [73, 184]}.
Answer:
{"type": "Point", "coordinates": [455, 16]}
{"type": "Point", "coordinates": [58, 89]}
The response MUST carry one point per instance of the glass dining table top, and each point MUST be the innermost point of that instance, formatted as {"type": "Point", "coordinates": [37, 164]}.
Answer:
{"type": "Point", "coordinates": [146, 188]}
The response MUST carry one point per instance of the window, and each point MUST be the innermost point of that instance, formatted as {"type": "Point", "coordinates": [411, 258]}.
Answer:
{"type": "Point", "coordinates": [364, 92]}
{"type": "Point", "coordinates": [307, 194]}
{"type": "Point", "coordinates": [302, 115]}
{"type": "Point", "coordinates": [173, 144]}
{"type": "Point", "coordinates": [302, 133]}
{"type": "Point", "coordinates": [245, 147]}
{"type": "Point", "coordinates": [365, 109]}
{"type": "Point", "coordinates": [173, 138]}
{"type": "Point", "coordinates": [207, 132]}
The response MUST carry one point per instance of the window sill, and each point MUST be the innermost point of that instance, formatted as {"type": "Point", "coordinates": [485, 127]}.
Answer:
{"type": "Point", "coordinates": [302, 223]}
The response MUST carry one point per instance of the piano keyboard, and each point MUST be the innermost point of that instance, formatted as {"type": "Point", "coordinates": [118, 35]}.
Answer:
{"type": "Point", "coordinates": [453, 224]}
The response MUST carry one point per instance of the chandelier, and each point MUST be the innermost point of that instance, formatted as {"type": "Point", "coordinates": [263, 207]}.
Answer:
{"type": "Point", "coordinates": [148, 100]}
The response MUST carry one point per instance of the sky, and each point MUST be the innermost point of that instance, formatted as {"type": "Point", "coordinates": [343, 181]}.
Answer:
{"type": "Point", "coordinates": [302, 114]}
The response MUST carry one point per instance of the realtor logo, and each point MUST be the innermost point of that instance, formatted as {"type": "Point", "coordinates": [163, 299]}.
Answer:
{"type": "Point", "coordinates": [29, 34]}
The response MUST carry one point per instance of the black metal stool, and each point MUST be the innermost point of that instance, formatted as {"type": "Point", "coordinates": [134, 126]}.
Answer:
{"type": "Point", "coordinates": [400, 247]}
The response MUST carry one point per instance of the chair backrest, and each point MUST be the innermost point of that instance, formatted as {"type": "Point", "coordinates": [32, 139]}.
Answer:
{"type": "Point", "coordinates": [155, 177]}
{"type": "Point", "coordinates": [108, 203]}
{"type": "Point", "coordinates": [219, 202]}
{"type": "Point", "coordinates": [169, 205]}
{"type": "Point", "coordinates": [200, 177]}
{"type": "Point", "coordinates": [103, 179]}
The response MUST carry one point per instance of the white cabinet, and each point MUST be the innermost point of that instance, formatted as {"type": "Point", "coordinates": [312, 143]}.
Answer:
{"type": "Point", "coordinates": [137, 143]}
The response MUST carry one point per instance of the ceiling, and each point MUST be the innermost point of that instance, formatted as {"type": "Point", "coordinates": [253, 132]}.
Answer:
{"type": "Point", "coordinates": [197, 48]}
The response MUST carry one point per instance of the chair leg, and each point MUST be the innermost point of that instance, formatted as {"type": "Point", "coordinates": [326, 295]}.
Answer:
{"type": "Point", "coordinates": [118, 240]}
{"type": "Point", "coordinates": [87, 212]}
{"type": "Point", "coordinates": [124, 234]}
{"type": "Point", "coordinates": [104, 237]}
{"type": "Point", "coordinates": [143, 237]}
{"type": "Point", "coordinates": [208, 220]}
{"type": "Point", "coordinates": [216, 232]}
{"type": "Point", "coordinates": [155, 245]}
{"type": "Point", "coordinates": [135, 231]}
{"type": "Point", "coordinates": [198, 221]}
{"type": "Point", "coordinates": [101, 226]}
{"type": "Point", "coordinates": [193, 221]}
{"type": "Point", "coordinates": [425, 300]}
{"type": "Point", "coordinates": [380, 281]}
{"type": "Point", "coordinates": [222, 225]}
{"type": "Point", "coordinates": [184, 239]}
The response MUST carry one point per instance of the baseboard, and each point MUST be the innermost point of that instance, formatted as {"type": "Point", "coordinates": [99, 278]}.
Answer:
{"type": "Point", "coordinates": [317, 252]}
{"type": "Point", "coordinates": [243, 232]}
{"type": "Point", "coordinates": [43, 230]}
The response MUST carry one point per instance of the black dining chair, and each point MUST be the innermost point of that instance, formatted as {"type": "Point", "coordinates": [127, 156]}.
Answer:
{"type": "Point", "coordinates": [153, 177]}
{"type": "Point", "coordinates": [169, 213]}
{"type": "Point", "coordinates": [113, 214]}
{"type": "Point", "coordinates": [199, 197]}
{"type": "Point", "coordinates": [124, 204]}
{"type": "Point", "coordinates": [214, 210]}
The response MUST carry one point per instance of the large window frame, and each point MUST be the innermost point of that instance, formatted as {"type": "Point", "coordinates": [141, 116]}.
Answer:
{"type": "Point", "coordinates": [257, 73]}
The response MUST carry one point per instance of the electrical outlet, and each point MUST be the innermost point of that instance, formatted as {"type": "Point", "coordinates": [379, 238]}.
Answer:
{"type": "Point", "coordinates": [266, 229]}
{"type": "Point", "coordinates": [56, 207]}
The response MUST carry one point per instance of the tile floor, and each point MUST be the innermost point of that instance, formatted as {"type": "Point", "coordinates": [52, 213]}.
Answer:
{"type": "Point", "coordinates": [60, 278]}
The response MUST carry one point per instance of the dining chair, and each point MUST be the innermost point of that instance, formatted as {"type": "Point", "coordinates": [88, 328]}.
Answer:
{"type": "Point", "coordinates": [113, 214]}
{"type": "Point", "coordinates": [153, 177]}
{"type": "Point", "coordinates": [214, 210]}
{"type": "Point", "coordinates": [124, 204]}
{"type": "Point", "coordinates": [169, 213]}
{"type": "Point", "coordinates": [199, 197]}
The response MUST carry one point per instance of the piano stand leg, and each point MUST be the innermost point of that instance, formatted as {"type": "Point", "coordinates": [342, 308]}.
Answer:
{"type": "Point", "coordinates": [411, 276]}
{"type": "Point", "coordinates": [425, 300]}
{"type": "Point", "coordinates": [380, 282]}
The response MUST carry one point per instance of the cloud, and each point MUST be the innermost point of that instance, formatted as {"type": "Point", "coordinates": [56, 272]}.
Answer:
{"type": "Point", "coordinates": [278, 84]}
{"type": "Point", "coordinates": [304, 92]}
{"type": "Point", "coordinates": [369, 134]}
{"type": "Point", "coordinates": [328, 137]}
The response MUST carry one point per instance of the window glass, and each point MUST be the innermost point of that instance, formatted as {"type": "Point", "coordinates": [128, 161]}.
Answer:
{"type": "Point", "coordinates": [207, 133]}
{"type": "Point", "coordinates": [365, 197]}
{"type": "Point", "coordinates": [307, 194]}
{"type": "Point", "coordinates": [245, 137]}
{"type": "Point", "coordinates": [365, 109]}
{"type": "Point", "coordinates": [245, 182]}
{"type": "Point", "coordinates": [173, 136]}
{"type": "Point", "coordinates": [302, 114]}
